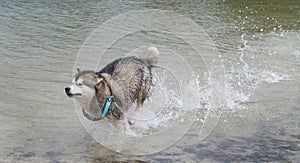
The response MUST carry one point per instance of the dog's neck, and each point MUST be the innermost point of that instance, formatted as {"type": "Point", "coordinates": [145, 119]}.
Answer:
{"type": "Point", "coordinates": [91, 107]}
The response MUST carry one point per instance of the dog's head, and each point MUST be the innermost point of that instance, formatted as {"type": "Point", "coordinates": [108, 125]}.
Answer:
{"type": "Point", "coordinates": [91, 90]}
{"type": "Point", "coordinates": [82, 88]}
{"type": "Point", "coordinates": [87, 84]}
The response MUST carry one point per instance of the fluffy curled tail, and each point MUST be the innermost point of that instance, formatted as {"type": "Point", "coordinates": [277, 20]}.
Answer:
{"type": "Point", "coordinates": [151, 55]}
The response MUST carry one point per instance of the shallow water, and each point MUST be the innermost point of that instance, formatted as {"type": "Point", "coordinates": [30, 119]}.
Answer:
{"type": "Point", "coordinates": [258, 43]}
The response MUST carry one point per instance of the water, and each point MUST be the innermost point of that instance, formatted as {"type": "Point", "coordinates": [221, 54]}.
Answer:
{"type": "Point", "coordinates": [258, 44]}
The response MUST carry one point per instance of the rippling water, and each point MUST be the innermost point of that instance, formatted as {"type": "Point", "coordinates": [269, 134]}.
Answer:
{"type": "Point", "coordinates": [258, 42]}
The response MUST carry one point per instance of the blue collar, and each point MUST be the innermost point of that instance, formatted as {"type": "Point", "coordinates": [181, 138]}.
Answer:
{"type": "Point", "coordinates": [106, 107]}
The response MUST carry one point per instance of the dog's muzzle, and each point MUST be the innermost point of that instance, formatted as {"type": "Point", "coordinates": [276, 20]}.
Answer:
{"type": "Point", "coordinates": [68, 92]}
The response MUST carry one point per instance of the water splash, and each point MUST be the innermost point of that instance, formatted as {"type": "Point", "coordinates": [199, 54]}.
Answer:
{"type": "Point", "coordinates": [243, 82]}
{"type": "Point", "coordinates": [165, 107]}
{"type": "Point", "coordinates": [241, 85]}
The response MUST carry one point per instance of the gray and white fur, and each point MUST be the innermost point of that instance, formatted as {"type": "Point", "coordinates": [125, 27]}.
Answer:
{"type": "Point", "coordinates": [128, 80]}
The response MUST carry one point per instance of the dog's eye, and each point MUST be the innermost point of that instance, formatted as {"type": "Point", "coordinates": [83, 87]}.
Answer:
{"type": "Point", "coordinates": [80, 84]}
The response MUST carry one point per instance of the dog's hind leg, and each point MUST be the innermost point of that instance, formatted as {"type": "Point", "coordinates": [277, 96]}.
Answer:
{"type": "Point", "coordinates": [140, 100]}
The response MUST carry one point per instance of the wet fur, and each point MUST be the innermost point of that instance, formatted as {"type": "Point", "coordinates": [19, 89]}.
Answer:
{"type": "Point", "coordinates": [128, 79]}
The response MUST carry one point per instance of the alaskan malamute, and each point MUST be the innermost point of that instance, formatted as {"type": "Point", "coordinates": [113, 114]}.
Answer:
{"type": "Point", "coordinates": [111, 91]}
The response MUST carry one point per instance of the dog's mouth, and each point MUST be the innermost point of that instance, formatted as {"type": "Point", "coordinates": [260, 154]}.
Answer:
{"type": "Point", "coordinates": [72, 95]}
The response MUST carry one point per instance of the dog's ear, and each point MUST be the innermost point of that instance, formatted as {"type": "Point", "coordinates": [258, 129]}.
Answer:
{"type": "Point", "coordinates": [78, 70]}
{"type": "Point", "coordinates": [97, 80]}
{"type": "Point", "coordinates": [106, 76]}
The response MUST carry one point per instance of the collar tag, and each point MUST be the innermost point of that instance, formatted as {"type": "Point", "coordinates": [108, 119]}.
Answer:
{"type": "Point", "coordinates": [107, 105]}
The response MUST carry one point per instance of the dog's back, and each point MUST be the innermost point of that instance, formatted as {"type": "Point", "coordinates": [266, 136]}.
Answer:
{"type": "Point", "coordinates": [150, 57]}
{"type": "Point", "coordinates": [131, 78]}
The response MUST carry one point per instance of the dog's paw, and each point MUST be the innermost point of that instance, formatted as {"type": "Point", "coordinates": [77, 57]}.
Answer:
{"type": "Point", "coordinates": [132, 121]}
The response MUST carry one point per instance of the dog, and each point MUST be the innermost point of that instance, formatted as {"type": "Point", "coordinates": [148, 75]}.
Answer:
{"type": "Point", "coordinates": [110, 92]}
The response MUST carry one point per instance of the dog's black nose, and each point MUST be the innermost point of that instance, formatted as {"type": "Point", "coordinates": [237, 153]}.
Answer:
{"type": "Point", "coordinates": [67, 89]}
